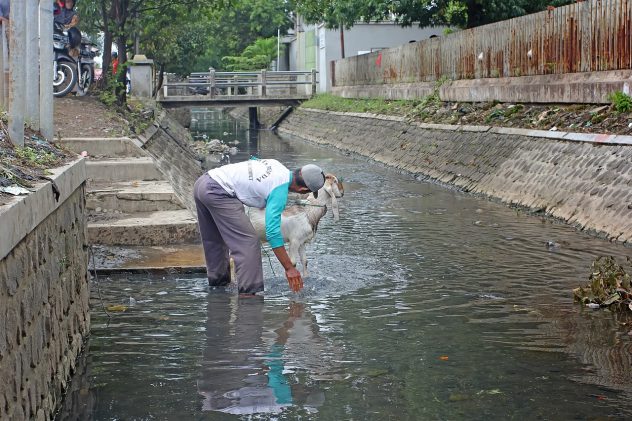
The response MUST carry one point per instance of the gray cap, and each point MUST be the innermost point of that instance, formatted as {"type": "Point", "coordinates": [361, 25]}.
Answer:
{"type": "Point", "coordinates": [314, 177]}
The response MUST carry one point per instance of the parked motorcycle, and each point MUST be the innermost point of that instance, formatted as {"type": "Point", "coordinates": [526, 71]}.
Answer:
{"type": "Point", "coordinates": [85, 65]}
{"type": "Point", "coordinates": [65, 74]}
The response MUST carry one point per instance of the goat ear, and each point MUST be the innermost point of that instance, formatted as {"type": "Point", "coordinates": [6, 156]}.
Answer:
{"type": "Point", "coordinates": [334, 201]}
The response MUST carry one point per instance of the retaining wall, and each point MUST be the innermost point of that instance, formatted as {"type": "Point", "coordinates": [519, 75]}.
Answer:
{"type": "Point", "coordinates": [44, 294]}
{"type": "Point", "coordinates": [169, 144]}
{"type": "Point", "coordinates": [583, 179]}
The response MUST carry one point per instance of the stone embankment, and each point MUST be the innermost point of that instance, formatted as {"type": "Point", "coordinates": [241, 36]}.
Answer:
{"type": "Point", "coordinates": [44, 293]}
{"type": "Point", "coordinates": [583, 179]}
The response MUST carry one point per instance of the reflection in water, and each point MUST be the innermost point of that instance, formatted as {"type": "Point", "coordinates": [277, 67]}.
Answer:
{"type": "Point", "coordinates": [234, 372]}
{"type": "Point", "coordinates": [245, 371]}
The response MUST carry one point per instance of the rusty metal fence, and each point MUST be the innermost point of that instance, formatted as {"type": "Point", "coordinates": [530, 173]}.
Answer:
{"type": "Point", "coordinates": [583, 37]}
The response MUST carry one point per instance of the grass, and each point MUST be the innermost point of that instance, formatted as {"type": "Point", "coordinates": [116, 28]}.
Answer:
{"type": "Point", "coordinates": [376, 105]}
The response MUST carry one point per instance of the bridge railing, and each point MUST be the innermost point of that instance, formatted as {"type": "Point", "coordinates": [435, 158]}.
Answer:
{"type": "Point", "coordinates": [262, 84]}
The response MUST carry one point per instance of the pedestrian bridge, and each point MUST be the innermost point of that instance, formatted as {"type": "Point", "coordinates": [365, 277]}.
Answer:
{"type": "Point", "coordinates": [247, 89]}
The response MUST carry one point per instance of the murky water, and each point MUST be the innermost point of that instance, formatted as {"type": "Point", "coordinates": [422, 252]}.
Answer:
{"type": "Point", "coordinates": [422, 303]}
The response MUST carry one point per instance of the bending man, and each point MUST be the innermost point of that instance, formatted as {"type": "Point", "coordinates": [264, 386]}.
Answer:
{"type": "Point", "coordinates": [219, 197]}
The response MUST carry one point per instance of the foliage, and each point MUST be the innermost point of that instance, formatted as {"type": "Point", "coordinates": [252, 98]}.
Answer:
{"type": "Point", "coordinates": [621, 102]}
{"type": "Point", "coordinates": [37, 158]}
{"type": "Point", "coordinates": [608, 284]}
{"type": "Point", "coordinates": [255, 57]}
{"type": "Point", "coordinates": [461, 13]}
{"type": "Point", "coordinates": [335, 103]}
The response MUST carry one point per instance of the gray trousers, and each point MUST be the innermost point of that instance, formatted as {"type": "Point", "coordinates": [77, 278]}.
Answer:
{"type": "Point", "coordinates": [224, 227]}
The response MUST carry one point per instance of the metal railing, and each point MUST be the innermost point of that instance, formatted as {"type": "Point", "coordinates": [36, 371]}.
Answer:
{"type": "Point", "coordinates": [227, 85]}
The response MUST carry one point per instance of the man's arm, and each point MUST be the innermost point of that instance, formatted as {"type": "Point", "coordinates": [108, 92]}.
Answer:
{"type": "Point", "coordinates": [274, 207]}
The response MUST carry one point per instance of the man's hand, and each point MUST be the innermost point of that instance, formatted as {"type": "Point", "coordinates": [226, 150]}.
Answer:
{"type": "Point", "coordinates": [294, 279]}
{"type": "Point", "coordinates": [293, 275]}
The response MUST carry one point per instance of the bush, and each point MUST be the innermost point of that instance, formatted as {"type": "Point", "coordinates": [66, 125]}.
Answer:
{"type": "Point", "coordinates": [621, 102]}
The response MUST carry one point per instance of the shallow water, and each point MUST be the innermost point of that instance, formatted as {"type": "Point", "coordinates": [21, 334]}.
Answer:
{"type": "Point", "coordinates": [422, 303]}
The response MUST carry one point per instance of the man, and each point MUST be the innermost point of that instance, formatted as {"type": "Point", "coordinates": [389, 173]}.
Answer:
{"type": "Point", "coordinates": [219, 197]}
{"type": "Point", "coordinates": [115, 62]}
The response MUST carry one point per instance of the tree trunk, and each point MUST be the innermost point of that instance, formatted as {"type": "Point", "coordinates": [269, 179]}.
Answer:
{"type": "Point", "coordinates": [161, 78]}
{"type": "Point", "coordinates": [342, 41]}
{"type": "Point", "coordinates": [107, 46]}
{"type": "Point", "coordinates": [121, 95]}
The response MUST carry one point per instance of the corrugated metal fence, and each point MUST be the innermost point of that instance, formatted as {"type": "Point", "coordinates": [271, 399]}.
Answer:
{"type": "Point", "coordinates": [582, 37]}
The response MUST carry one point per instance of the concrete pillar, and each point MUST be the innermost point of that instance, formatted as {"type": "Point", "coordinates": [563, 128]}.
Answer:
{"type": "Point", "coordinates": [4, 67]}
{"type": "Point", "coordinates": [253, 118]}
{"type": "Point", "coordinates": [17, 75]}
{"type": "Point", "coordinates": [142, 77]}
{"type": "Point", "coordinates": [31, 96]}
{"type": "Point", "coordinates": [211, 82]}
{"type": "Point", "coordinates": [46, 69]}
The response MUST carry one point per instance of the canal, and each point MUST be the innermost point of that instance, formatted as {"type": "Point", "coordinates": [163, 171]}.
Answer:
{"type": "Point", "coordinates": [422, 303]}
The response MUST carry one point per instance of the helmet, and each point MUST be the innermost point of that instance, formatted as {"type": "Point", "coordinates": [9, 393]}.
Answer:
{"type": "Point", "coordinates": [114, 54]}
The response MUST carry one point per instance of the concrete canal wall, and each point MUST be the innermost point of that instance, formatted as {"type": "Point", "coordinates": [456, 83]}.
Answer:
{"type": "Point", "coordinates": [44, 294]}
{"type": "Point", "coordinates": [169, 144]}
{"type": "Point", "coordinates": [579, 178]}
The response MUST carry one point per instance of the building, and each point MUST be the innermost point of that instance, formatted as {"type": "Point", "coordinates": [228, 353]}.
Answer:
{"type": "Point", "coordinates": [314, 46]}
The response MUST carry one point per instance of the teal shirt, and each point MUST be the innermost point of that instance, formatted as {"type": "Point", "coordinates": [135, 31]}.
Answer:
{"type": "Point", "coordinates": [274, 207]}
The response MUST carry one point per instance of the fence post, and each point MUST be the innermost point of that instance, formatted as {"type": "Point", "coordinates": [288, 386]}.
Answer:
{"type": "Point", "coordinates": [17, 62]}
{"type": "Point", "coordinates": [31, 96]}
{"type": "Point", "coordinates": [211, 82]}
{"type": "Point", "coordinates": [4, 66]}
{"type": "Point", "coordinates": [313, 82]}
{"type": "Point", "coordinates": [263, 82]}
{"type": "Point", "coordinates": [46, 56]}
{"type": "Point", "coordinates": [165, 88]}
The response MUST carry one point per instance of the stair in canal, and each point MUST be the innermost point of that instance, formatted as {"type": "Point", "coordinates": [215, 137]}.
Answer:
{"type": "Point", "coordinates": [130, 205]}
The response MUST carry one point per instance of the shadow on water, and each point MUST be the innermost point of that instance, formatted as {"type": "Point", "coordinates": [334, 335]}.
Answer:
{"type": "Point", "coordinates": [422, 303]}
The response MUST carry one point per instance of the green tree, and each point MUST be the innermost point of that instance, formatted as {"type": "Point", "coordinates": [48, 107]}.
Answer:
{"type": "Point", "coordinates": [461, 13]}
{"type": "Point", "coordinates": [257, 56]}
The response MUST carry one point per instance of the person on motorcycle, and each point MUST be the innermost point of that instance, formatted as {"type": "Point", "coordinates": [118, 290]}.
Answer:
{"type": "Point", "coordinates": [70, 19]}
{"type": "Point", "coordinates": [67, 15]}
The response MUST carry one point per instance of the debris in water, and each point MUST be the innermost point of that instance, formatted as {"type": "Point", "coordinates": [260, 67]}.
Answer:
{"type": "Point", "coordinates": [444, 358]}
{"type": "Point", "coordinates": [609, 285]}
{"type": "Point", "coordinates": [116, 308]}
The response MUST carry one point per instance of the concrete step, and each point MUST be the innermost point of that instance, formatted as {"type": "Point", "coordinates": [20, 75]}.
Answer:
{"type": "Point", "coordinates": [103, 147]}
{"type": "Point", "coordinates": [143, 228]}
{"type": "Point", "coordinates": [123, 169]}
{"type": "Point", "coordinates": [131, 196]}
{"type": "Point", "coordinates": [177, 258]}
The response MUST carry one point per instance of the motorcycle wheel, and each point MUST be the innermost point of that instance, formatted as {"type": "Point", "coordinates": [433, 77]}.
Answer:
{"type": "Point", "coordinates": [86, 76]}
{"type": "Point", "coordinates": [65, 78]}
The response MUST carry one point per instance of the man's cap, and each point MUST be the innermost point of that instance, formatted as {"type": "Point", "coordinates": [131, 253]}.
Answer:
{"type": "Point", "coordinates": [314, 177]}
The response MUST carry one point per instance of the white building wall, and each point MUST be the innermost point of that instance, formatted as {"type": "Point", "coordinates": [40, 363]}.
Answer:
{"type": "Point", "coordinates": [362, 38]}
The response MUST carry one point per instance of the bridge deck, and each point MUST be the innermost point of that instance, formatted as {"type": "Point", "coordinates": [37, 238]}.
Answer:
{"type": "Point", "coordinates": [240, 88]}
{"type": "Point", "coordinates": [228, 100]}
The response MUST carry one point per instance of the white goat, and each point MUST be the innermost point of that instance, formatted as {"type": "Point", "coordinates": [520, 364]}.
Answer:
{"type": "Point", "coordinates": [299, 221]}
